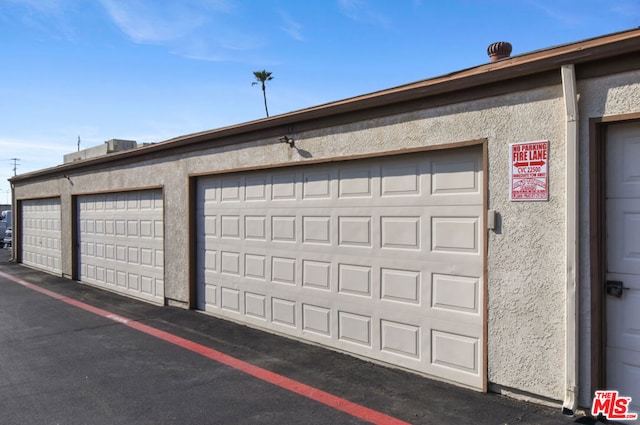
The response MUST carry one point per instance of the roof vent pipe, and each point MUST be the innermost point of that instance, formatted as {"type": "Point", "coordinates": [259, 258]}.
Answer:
{"type": "Point", "coordinates": [499, 50]}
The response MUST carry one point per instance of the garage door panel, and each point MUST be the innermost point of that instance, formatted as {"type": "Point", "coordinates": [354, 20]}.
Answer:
{"type": "Point", "coordinates": [380, 258]}
{"type": "Point", "coordinates": [451, 178]}
{"type": "Point", "coordinates": [121, 243]}
{"type": "Point", "coordinates": [453, 293]}
{"type": "Point", "coordinates": [455, 352]}
{"type": "Point", "coordinates": [400, 339]}
{"type": "Point", "coordinates": [455, 176]}
{"type": "Point", "coordinates": [41, 234]}
{"type": "Point", "coordinates": [395, 279]}
{"type": "Point", "coordinates": [458, 229]}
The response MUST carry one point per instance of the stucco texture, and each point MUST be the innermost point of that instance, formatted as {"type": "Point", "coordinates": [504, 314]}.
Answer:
{"type": "Point", "coordinates": [525, 263]}
{"type": "Point", "coordinates": [526, 253]}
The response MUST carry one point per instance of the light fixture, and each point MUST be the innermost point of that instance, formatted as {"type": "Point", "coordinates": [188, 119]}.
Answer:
{"type": "Point", "coordinates": [288, 140]}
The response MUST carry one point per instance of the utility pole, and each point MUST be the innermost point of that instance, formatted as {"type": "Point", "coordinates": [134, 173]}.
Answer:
{"type": "Point", "coordinates": [78, 143]}
{"type": "Point", "coordinates": [15, 164]}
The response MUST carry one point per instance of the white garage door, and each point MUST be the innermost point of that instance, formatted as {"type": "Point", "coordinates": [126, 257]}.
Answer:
{"type": "Point", "coordinates": [623, 262]}
{"type": "Point", "coordinates": [41, 235]}
{"type": "Point", "coordinates": [382, 258]}
{"type": "Point", "coordinates": [121, 243]}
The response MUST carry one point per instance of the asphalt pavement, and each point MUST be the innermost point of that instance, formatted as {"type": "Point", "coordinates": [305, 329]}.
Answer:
{"type": "Point", "coordinates": [63, 361]}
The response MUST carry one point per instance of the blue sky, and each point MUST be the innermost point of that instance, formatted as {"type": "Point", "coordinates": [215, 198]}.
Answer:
{"type": "Point", "coordinates": [150, 70]}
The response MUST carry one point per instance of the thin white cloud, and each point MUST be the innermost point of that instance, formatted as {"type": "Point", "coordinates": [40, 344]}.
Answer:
{"type": "Point", "coordinates": [43, 6]}
{"type": "Point", "coordinates": [146, 22]}
{"type": "Point", "coordinates": [217, 47]}
{"type": "Point", "coordinates": [361, 11]}
{"type": "Point", "coordinates": [570, 17]}
{"type": "Point", "coordinates": [291, 27]}
{"type": "Point", "coordinates": [31, 154]}
{"type": "Point", "coordinates": [239, 42]}
{"type": "Point", "coordinates": [46, 18]}
{"type": "Point", "coordinates": [209, 30]}
{"type": "Point", "coordinates": [627, 9]}
{"type": "Point", "coordinates": [30, 147]}
{"type": "Point", "coordinates": [195, 29]}
{"type": "Point", "coordinates": [350, 7]}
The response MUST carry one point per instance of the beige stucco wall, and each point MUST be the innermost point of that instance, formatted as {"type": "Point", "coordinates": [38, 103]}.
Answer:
{"type": "Point", "coordinates": [526, 252]}
{"type": "Point", "coordinates": [526, 286]}
{"type": "Point", "coordinates": [526, 260]}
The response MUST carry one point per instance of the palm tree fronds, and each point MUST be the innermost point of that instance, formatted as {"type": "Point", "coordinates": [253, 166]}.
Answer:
{"type": "Point", "coordinates": [262, 77]}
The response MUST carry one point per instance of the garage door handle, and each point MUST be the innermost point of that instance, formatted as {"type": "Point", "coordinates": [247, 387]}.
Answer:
{"type": "Point", "coordinates": [615, 288]}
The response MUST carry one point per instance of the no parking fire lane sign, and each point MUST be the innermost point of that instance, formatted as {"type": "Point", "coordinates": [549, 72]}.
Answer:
{"type": "Point", "coordinates": [530, 171]}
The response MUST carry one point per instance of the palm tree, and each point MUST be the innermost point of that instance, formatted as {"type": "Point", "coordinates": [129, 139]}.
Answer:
{"type": "Point", "coordinates": [262, 77]}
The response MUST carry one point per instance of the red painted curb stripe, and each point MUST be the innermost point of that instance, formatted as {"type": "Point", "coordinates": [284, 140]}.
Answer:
{"type": "Point", "coordinates": [312, 393]}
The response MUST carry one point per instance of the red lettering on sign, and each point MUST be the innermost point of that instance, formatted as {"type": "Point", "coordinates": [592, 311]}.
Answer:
{"type": "Point", "coordinates": [529, 173]}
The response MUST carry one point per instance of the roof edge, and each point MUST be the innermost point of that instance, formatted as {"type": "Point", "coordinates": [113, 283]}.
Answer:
{"type": "Point", "coordinates": [522, 65]}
